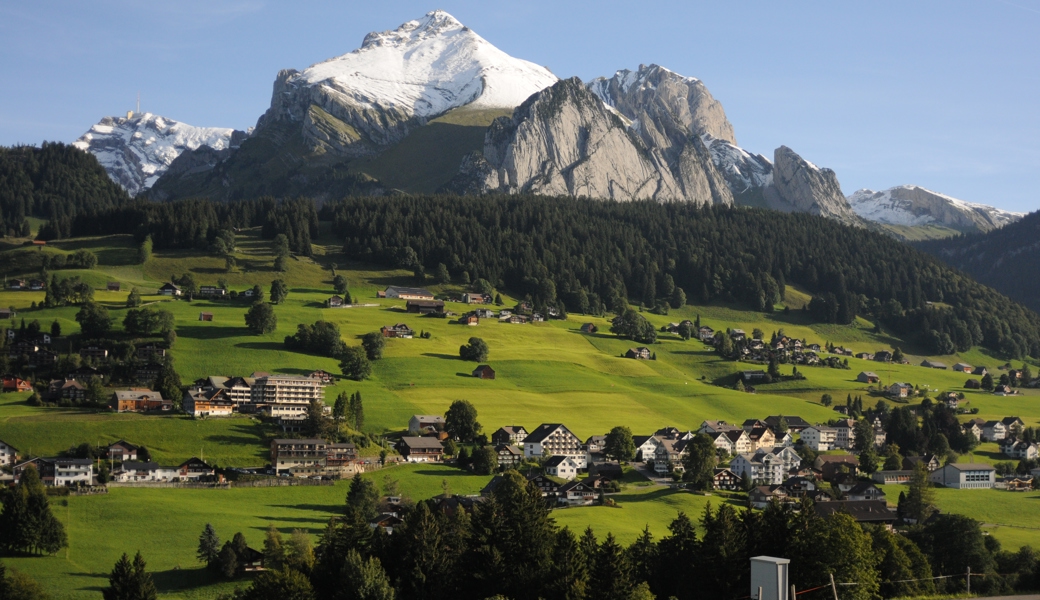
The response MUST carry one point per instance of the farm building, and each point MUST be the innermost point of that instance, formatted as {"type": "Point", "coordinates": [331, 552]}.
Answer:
{"type": "Point", "coordinates": [484, 372]}
{"type": "Point", "coordinates": [205, 316]}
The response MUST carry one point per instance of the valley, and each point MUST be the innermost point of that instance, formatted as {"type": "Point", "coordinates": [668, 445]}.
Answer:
{"type": "Point", "coordinates": [546, 372]}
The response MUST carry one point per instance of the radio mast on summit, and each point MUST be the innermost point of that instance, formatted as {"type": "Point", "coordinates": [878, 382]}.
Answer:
{"type": "Point", "coordinates": [138, 103]}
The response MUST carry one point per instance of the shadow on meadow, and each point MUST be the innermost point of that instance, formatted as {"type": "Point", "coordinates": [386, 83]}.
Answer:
{"type": "Point", "coordinates": [331, 509]}
{"type": "Point", "coordinates": [445, 473]}
{"type": "Point", "coordinates": [443, 356]}
{"type": "Point", "coordinates": [181, 579]}
{"type": "Point", "coordinates": [210, 332]}
{"type": "Point", "coordinates": [276, 346]}
{"type": "Point", "coordinates": [92, 588]}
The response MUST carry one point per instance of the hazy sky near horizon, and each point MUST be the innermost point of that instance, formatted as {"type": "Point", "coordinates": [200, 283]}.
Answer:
{"type": "Point", "coordinates": [941, 94]}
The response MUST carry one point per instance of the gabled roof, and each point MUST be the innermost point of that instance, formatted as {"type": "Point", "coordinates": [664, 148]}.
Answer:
{"type": "Point", "coordinates": [514, 450]}
{"type": "Point", "coordinates": [415, 443]}
{"type": "Point", "coordinates": [555, 461]}
{"type": "Point", "coordinates": [795, 423]}
{"type": "Point", "coordinates": [124, 444]}
{"type": "Point", "coordinates": [429, 418]}
{"type": "Point", "coordinates": [543, 431]}
{"type": "Point", "coordinates": [575, 484]}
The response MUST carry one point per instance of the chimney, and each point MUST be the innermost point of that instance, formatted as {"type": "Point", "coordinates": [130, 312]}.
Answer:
{"type": "Point", "coordinates": [769, 575]}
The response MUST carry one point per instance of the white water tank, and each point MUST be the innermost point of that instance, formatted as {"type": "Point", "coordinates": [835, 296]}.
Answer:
{"type": "Point", "coordinates": [770, 574]}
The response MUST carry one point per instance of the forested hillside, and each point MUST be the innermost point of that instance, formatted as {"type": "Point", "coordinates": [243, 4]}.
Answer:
{"type": "Point", "coordinates": [1006, 259]}
{"type": "Point", "coordinates": [54, 182]}
{"type": "Point", "coordinates": [587, 254]}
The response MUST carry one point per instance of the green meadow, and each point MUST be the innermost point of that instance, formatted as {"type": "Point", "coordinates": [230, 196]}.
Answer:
{"type": "Point", "coordinates": [546, 372]}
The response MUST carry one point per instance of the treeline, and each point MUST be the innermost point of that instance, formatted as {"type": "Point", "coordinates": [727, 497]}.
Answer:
{"type": "Point", "coordinates": [54, 182]}
{"type": "Point", "coordinates": [590, 254]}
{"type": "Point", "coordinates": [1001, 258]}
{"type": "Point", "coordinates": [508, 546]}
{"type": "Point", "coordinates": [197, 223]}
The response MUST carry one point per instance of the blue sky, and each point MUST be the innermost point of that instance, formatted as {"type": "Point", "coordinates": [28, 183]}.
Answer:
{"type": "Point", "coordinates": [939, 94]}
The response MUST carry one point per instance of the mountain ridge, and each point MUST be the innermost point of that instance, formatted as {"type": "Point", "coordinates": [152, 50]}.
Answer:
{"type": "Point", "coordinates": [330, 129]}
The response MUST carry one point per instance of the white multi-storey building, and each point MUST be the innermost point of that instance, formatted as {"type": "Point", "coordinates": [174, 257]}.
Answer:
{"type": "Point", "coordinates": [762, 469]}
{"type": "Point", "coordinates": [819, 438]}
{"type": "Point", "coordinates": [286, 396]}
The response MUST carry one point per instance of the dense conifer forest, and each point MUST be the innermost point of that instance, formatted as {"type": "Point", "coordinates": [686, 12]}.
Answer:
{"type": "Point", "coordinates": [577, 255]}
{"type": "Point", "coordinates": [1007, 259]}
{"type": "Point", "coordinates": [54, 182]}
{"type": "Point", "coordinates": [588, 254]}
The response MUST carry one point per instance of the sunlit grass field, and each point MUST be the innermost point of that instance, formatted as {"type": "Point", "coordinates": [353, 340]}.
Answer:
{"type": "Point", "coordinates": [546, 372]}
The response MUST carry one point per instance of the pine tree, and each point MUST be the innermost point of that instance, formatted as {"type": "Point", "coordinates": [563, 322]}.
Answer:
{"type": "Point", "coordinates": [209, 546]}
{"type": "Point", "coordinates": [356, 411]}
{"type": "Point", "coordinates": [339, 409]}
{"type": "Point", "coordinates": [130, 581]}
{"type": "Point", "coordinates": [612, 575]}
{"type": "Point", "coordinates": [569, 578]}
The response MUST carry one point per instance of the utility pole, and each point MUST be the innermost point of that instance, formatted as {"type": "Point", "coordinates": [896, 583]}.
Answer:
{"type": "Point", "coordinates": [969, 580]}
{"type": "Point", "coordinates": [834, 587]}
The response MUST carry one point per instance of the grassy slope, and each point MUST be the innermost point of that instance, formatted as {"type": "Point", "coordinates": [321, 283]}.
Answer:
{"type": "Point", "coordinates": [546, 372]}
{"type": "Point", "coordinates": [165, 524]}
{"type": "Point", "coordinates": [430, 156]}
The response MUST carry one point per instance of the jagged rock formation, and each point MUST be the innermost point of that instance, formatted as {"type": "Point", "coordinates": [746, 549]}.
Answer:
{"type": "Point", "coordinates": [138, 149]}
{"type": "Point", "coordinates": [800, 186]}
{"type": "Point", "coordinates": [665, 108]}
{"type": "Point", "coordinates": [912, 205]}
{"type": "Point", "coordinates": [566, 141]}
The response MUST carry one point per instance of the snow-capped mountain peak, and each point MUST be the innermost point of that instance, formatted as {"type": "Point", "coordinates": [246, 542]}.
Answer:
{"type": "Point", "coordinates": [137, 149]}
{"type": "Point", "coordinates": [425, 68]}
{"type": "Point", "coordinates": [914, 205]}
{"type": "Point", "coordinates": [437, 22]}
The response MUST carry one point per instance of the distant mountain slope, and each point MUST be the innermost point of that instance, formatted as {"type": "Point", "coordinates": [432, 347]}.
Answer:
{"type": "Point", "coordinates": [1007, 259]}
{"type": "Point", "coordinates": [911, 205]}
{"type": "Point", "coordinates": [137, 150]}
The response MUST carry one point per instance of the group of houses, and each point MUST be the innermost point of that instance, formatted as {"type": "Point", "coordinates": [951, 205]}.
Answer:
{"type": "Point", "coordinates": [127, 467]}
{"type": "Point", "coordinates": [278, 396]}
{"type": "Point", "coordinates": [35, 285]}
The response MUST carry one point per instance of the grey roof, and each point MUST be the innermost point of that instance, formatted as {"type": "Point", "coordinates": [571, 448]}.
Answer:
{"type": "Point", "coordinates": [972, 466]}
{"type": "Point", "coordinates": [421, 442]}
{"type": "Point", "coordinates": [136, 394]}
{"type": "Point", "coordinates": [429, 418]}
{"type": "Point", "coordinates": [70, 461]}
{"type": "Point", "coordinates": [410, 290]}
{"type": "Point", "coordinates": [543, 431]}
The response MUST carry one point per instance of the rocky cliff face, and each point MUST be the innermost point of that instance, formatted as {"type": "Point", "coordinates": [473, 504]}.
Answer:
{"type": "Point", "coordinates": [566, 141]}
{"type": "Point", "coordinates": [665, 108]}
{"type": "Point", "coordinates": [912, 205]}
{"type": "Point", "coordinates": [800, 186]}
